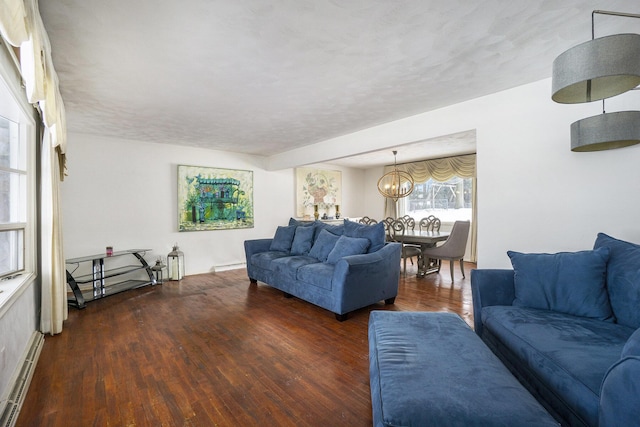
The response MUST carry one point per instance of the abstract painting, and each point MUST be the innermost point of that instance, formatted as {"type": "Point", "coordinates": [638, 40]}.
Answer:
{"type": "Point", "coordinates": [214, 198]}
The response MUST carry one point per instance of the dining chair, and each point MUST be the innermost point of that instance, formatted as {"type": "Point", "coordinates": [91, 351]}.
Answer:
{"type": "Point", "coordinates": [453, 248]}
{"type": "Point", "coordinates": [367, 221]}
{"type": "Point", "coordinates": [430, 223]}
{"type": "Point", "coordinates": [396, 231]}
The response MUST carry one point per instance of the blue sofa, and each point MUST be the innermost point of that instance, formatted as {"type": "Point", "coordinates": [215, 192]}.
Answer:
{"type": "Point", "coordinates": [341, 268]}
{"type": "Point", "coordinates": [567, 326]}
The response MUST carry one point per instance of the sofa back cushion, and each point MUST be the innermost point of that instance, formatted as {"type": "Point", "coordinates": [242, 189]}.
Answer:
{"type": "Point", "coordinates": [623, 279]}
{"type": "Point", "coordinates": [566, 282]}
{"type": "Point", "coordinates": [374, 233]}
{"type": "Point", "coordinates": [283, 238]}
{"type": "Point", "coordinates": [323, 245]}
{"type": "Point", "coordinates": [337, 229]}
{"type": "Point", "coordinates": [303, 239]}
{"type": "Point", "coordinates": [346, 246]}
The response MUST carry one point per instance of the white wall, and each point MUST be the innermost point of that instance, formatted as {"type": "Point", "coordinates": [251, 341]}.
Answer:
{"type": "Point", "coordinates": [124, 194]}
{"type": "Point", "coordinates": [534, 194]}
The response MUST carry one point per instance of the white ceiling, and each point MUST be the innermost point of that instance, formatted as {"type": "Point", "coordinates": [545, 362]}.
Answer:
{"type": "Point", "coordinates": [264, 77]}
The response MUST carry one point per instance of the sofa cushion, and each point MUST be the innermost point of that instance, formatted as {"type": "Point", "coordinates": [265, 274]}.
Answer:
{"type": "Point", "coordinates": [567, 282]}
{"type": "Point", "coordinates": [264, 259]}
{"type": "Point", "coordinates": [346, 246]}
{"type": "Point", "coordinates": [319, 274]}
{"type": "Point", "coordinates": [338, 230]}
{"type": "Point", "coordinates": [374, 233]}
{"type": "Point", "coordinates": [287, 267]}
{"type": "Point", "coordinates": [623, 279]}
{"type": "Point", "coordinates": [293, 221]}
{"type": "Point", "coordinates": [303, 239]}
{"type": "Point", "coordinates": [323, 245]}
{"type": "Point", "coordinates": [569, 354]}
{"type": "Point", "coordinates": [632, 346]}
{"type": "Point", "coordinates": [283, 238]}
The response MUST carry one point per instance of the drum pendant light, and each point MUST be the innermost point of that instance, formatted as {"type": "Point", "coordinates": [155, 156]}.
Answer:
{"type": "Point", "coordinates": [595, 70]}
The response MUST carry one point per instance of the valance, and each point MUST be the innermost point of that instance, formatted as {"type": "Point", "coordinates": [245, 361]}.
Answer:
{"type": "Point", "coordinates": [21, 26]}
{"type": "Point", "coordinates": [12, 22]}
{"type": "Point", "coordinates": [440, 169]}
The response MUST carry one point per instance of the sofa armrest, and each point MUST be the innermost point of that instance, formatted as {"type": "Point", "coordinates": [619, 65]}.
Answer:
{"type": "Point", "coordinates": [256, 246]}
{"type": "Point", "coordinates": [490, 287]}
{"type": "Point", "coordinates": [365, 279]}
{"type": "Point", "coordinates": [620, 394]}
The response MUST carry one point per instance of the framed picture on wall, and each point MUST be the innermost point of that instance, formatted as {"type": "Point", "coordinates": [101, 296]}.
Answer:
{"type": "Point", "coordinates": [214, 198]}
{"type": "Point", "coordinates": [317, 187]}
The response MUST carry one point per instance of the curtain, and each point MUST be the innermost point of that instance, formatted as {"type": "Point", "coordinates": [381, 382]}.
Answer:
{"type": "Point", "coordinates": [442, 170]}
{"type": "Point", "coordinates": [21, 26]}
{"type": "Point", "coordinates": [12, 22]}
{"type": "Point", "coordinates": [54, 300]}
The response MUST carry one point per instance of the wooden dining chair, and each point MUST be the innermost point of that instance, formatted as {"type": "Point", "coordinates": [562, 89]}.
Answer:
{"type": "Point", "coordinates": [396, 231]}
{"type": "Point", "coordinates": [453, 248]}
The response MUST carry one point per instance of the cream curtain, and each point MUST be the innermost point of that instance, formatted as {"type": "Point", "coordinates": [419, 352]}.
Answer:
{"type": "Point", "coordinates": [442, 170]}
{"type": "Point", "coordinates": [54, 300]}
{"type": "Point", "coordinates": [12, 22]}
{"type": "Point", "coordinates": [21, 26]}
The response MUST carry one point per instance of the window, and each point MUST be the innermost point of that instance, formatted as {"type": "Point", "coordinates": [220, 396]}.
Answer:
{"type": "Point", "coordinates": [13, 197]}
{"type": "Point", "coordinates": [16, 187]}
{"type": "Point", "coordinates": [449, 200]}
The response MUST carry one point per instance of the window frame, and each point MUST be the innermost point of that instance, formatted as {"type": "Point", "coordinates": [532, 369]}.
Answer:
{"type": "Point", "coordinates": [15, 107]}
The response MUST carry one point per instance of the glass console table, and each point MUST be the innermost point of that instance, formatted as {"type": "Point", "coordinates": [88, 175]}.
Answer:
{"type": "Point", "coordinates": [95, 281]}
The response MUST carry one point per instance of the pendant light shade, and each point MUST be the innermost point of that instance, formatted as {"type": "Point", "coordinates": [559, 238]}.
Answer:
{"type": "Point", "coordinates": [597, 69]}
{"type": "Point", "coordinates": [606, 131]}
{"type": "Point", "coordinates": [395, 184]}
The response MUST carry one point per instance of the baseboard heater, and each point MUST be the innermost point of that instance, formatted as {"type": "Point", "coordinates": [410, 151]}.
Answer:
{"type": "Point", "coordinates": [21, 380]}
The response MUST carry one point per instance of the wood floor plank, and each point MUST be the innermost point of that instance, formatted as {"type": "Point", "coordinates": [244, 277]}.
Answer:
{"type": "Point", "coordinates": [213, 350]}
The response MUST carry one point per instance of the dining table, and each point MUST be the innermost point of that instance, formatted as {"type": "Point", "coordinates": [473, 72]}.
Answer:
{"type": "Point", "coordinates": [426, 239]}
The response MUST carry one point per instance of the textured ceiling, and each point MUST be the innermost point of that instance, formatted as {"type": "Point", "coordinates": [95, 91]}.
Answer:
{"type": "Point", "coordinates": [264, 77]}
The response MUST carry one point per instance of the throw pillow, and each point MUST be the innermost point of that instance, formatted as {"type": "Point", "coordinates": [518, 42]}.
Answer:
{"type": "Point", "coordinates": [567, 282]}
{"type": "Point", "coordinates": [632, 346]}
{"type": "Point", "coordinates": [283, 238]}
{"type": "Point", "coordinates": [374, 233]}
{"type": "Point", "coordinates": [623, 279]}
{"type": "Point", "coordinates": [302, 240]}
{"type": "Point", "coordinates": [323, 245]}
{"type": "Point", "coordinates": [346, 246]}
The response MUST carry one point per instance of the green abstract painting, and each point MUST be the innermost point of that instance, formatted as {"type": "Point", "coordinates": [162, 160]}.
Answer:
{"type": "Point", "coordinates": [214, 198]}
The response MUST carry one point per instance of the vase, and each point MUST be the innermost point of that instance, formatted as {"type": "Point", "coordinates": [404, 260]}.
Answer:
{"type": "Point", "coordinates": [337, 211]}
{"type": "Point", "coordinates": [316, 214]}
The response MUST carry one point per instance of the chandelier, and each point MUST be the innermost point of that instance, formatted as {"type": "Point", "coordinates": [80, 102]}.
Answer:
{"type": "Point", "coordinates": [395, 184]}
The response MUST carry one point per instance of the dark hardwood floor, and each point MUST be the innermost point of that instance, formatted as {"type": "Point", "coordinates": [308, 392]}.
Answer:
{"type": "Point", "coordinates": [214, 350]}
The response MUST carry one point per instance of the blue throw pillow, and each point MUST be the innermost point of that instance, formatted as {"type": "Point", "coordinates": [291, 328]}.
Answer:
{"type": "Point", "coordinates": [283, 238]}
{"type": "Point", "coordinates": [623, 279]}
{"type": "Point", "coordinates": [566, 282]}
{"type": "Point", "coordinates": [374, 233]}
{"type": "Point", "coordinates": [632, 346]}
{"type": "Point", "coordinates": [302, 240]}
{"type": "Point", "coordinates": [323, 245]}
{"type": "Point", "coordinates": [346, 246]}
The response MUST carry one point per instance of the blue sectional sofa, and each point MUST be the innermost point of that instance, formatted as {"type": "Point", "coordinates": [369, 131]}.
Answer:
{"type": "Point", "coordinates": [338, 267]}
{"type": "Point", "coordinates": [567, 326]}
